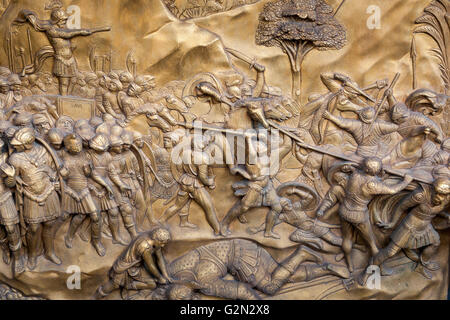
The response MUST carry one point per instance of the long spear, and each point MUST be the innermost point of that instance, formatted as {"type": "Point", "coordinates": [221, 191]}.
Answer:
{"type": "Point", "coordinates": [354, 158]}
{"type": "Point", "coordinates": [383, 100]}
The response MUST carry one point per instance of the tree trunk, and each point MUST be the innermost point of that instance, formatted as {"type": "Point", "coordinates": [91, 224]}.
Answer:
{"type": "Point", "coordinates": [296, 84]}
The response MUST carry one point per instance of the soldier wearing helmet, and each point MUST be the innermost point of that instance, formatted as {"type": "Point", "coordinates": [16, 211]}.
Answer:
{"type": "Point", "coordinates": [123, 191]}
{"type": "Point", "coordinates": [415, 231]}
{"type": "Point", "coordinates": [60, 37]}
{"type": "Point", "coordinates": [36, 171]}
{"type": "Point", "coordinates": [78, 201]}
{"type": "Point", "coordinates": [369, 143]}
{"type": "Point", "coordinates": [362, 186]}
{"type": "Point", "coordinates": [10, 239]}
{"type": "Point", "coordinates": [103, 174]}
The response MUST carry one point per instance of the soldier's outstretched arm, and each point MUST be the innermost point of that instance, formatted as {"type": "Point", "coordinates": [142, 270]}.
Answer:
{"type": "Point", "coordinates": [346, 124]}
{"type": "Point", "coordinates": [68, 33]}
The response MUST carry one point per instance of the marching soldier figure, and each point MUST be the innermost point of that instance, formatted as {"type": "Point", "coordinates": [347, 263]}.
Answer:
{"type": "Point", "coordinates": [78, 200]}
{"type": "Point", "coordinates": [9, 217]}
{"type": "Point", "coordinates": [122, 190]}
{"type": "Point", "coordinates": [196, 177]}
{"type": "Point", "coordinates": [102, 172]}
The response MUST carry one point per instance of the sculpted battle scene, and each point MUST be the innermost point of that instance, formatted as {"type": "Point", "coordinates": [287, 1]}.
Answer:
{"type": "Point", "coordinates": [262, 149]}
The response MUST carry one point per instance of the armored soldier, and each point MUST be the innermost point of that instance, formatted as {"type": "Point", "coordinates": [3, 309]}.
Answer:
{"type": "Point", "coordinates": [416, 231]}
{"type": "Point", "coordinates": [193, 182]}
{"type": "Point", "coordinates": [122, 190]}
{"type": "Point", "coordinates": [102, 187]}
{"type": "Point", "coordinates": [65, 66]}
{"type": "Point", "coordinates": [9, 218]}
{"type": "Point", "coordinates": [258, 186]}
{"type": "Point", "coordinates": [252, 268]}
{"type": "Point", "coordinates": [128, 270]}
{"type": "Point", "coordinates": [368, 143]}
{"type": "Point", "coordinates": [78, 200]}
{"type": "Point", "coordinates": [36, 179]}
{"type": "Point", "coordinates": [361, 187]}
{"type": "Point", "coordinates": [131, 175]}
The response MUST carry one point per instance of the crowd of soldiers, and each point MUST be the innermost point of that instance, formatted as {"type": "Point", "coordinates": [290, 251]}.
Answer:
{"type": "Point", "coordinates": [94, 172]}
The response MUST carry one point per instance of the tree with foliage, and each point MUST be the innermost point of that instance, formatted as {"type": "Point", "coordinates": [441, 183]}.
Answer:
{"type": "Point", "coordinates": [297, 27]}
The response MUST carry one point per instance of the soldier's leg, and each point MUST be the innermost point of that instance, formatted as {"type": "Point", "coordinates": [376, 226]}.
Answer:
{"type": "Point", "coordinates": [15, 245]}
{"type": "Point", "coordinates": [284, 271]}
{"type": "Point", "coordinates": [96, 230]}
{"type": "Point", "coordinates": [184, 217]}
{"type": "Point", "coordinates": [49, 241]}
{"type": "Point", "coordinates": [71, 85]}
{"type": "Point", "coordinates": [63, 86]}
{"type": "Point", "coordinates": [105, 289]}
{"type": "Point", "coordinates": [236, 210]}
{"type": "Point", "coordinates": [347, 242]}
{"type": "Point", "coordinates": [427, 254]}
{"type": "Point", "coordinates": [388, 252]}
{"type": "Point", "coordinates": [271, 219]}
{"type": "Point", "coordinates": [312, 271]}
{"type": "Point", "coordinates": [366, 231]}
{"type": "Point", "coordinates": [203, 198]}
{"type": "Point", "coordinates": [4, 246]}
{"type": "Point", "coordinates": [335, 240]}
{"type": "Point", "coordinates": [84, 230]}
{"type": "Point", "coordinates": [126, 210]}
{"type": "Point", "coordinates": [181, 200]}
{"type": "Point", "coordinates": [33, 241]}
{"type": "Point", "coordinates": [113, 219]}
{"type": "Point", "coordinates": [75, 223]}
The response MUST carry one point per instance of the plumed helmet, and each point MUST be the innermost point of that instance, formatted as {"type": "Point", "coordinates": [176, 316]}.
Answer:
{"type": "Point", "coordinates": [99, 142]}
{"type": "Point", "coordinates": [23, 136]}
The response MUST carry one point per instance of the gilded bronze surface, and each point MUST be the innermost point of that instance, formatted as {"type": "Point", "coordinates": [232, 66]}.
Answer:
{"type": "Point", "coordinates": [241, 149]}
